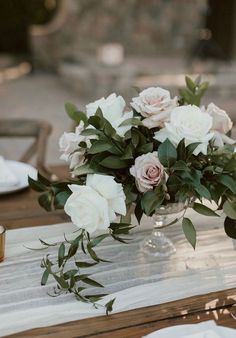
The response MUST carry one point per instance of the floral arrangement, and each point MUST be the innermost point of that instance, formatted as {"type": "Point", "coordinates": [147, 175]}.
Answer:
{"type": "Point", "coordinates": [161, 150]}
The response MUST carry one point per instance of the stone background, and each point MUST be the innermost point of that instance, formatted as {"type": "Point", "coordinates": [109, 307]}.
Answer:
{"type": "Point", "coordinates": [142, 27]}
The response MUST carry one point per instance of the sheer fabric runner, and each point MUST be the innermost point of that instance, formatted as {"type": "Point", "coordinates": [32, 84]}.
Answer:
{"type": "Point", "coordinates": [135, 280]}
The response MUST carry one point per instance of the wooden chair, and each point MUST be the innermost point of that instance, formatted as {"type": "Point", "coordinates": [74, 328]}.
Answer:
{"type": "Point", "coordinates": [23, 128]}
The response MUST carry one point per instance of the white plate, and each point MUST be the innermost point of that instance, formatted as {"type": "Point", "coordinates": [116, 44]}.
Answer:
{"type": "Point", "coordinates": [200, 330]}
{"type": "Point", "coordinates": [21, 171]}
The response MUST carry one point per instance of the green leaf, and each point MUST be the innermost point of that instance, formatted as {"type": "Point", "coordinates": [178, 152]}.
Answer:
{"type": "Point", "coordinates": [90, 132]}
{"type": "Point", "coordinates": [180, 165]}
{"type": "Point", "coordinates": [61, 198]}
{"type": "Point", "coordinates": [61, 254]}
{"type": "Point", "coordinates": [203, 87]}
{"type": "Point", "coordinates": [73, 247]}
{"type": "Point", "coordinates": [109, 130]}
{"type": "Point", "coordinates": [92, 282]}
{"type": "Point", "coordinates": [95, 162]}
{"type": "Point", "coordinates": [204, 210]}
{"type": "Point", "coordinates": [70, 273]}
{"type": "Point", "coordinates": [128, 155]}
{"type": "Point", "coordinates": [60, 280]}
{"type": "Point", "coordinates": [83, 170]}
{"type": "Point", "coordinates": [188, 97]}
{"type": "Point", "coordinates": [43, 180]}
{"type": "Point", "coordinates": [150, 201]}
{"type": "Point", "coordinates": [134, 138]}
{"type": "Point", "coordinates": [228, 182]}
{"type": "Point", "coordinates": [99, 112]}
{"type": "Point", "coordinates": [145, 148]}
{"type": "Point", "coordinates": [96, 122]}
{"type": "Point", "coordinates": [93, 254]}
{"type": "Point", "coordinates": [202, 191]}
{"type": "Point", "coordinates": [74, 114]}
{"type": "Point", "coordinates": [181, 150]}
{"type": "Point", "coordinates": [131, 121]}
{"type": "Point", "coordinates": [137, 137]}
{"type": "Point", "coordinates": [189, 231]}
{"type": "Point", "coordinates": [45, 200]}
{"type": "Point", "coordinates": [191, 147]}
{"type": "Point", "coordinates": [44, 278]}
{"type": "Point", "coordinates": [109, 306]}
{"type": "Point", "coordinates": [190, 84]}
{"type": "Point", "coordinates": [85, 264]}
{"type": "Point", "coordinates": [36, 185]}
{"type": "Point", "coordinates": [174, 183]}
{"type": "Point", "coordinates": [99, 147]}
{"type": "Point", "coordinates": [230, 227]}
{"type": "Point", "coordinates": [138, 211]}
{"type": "Point", "coordinates": [47, 244]}
{"type": "Point", "coordinates": [229, 209]}
{"type": "Point", "coordinates": [114, 162]}
{"type": "Point", "coordinates": [95, 241]}
{"type": "Point", "coordinates": [231, 165]}
{"type": "Point", "coordinates": [167, 153]}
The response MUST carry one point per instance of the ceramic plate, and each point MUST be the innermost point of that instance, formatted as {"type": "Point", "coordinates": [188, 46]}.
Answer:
{"type": "Point", "coordinates": [21, 171]}
{"type": "Point", "coordinates": [202, 330]}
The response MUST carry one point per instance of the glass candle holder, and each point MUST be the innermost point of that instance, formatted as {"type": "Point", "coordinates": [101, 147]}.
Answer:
{"type": "Point", "coordinates": [2, 242]}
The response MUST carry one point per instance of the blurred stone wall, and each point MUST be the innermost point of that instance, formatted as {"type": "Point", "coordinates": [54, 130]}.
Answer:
{"type": "Point", "coordinates": [143, 27]}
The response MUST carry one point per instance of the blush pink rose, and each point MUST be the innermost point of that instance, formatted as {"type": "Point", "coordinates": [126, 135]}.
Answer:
{"type": "Point", "coordinates": [148, 171]}
{"type": "Point", "coordinates": [155, 104]}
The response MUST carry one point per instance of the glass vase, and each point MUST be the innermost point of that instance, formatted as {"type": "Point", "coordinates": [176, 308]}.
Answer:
{"type": "Point", "coordinates": [157, 244]}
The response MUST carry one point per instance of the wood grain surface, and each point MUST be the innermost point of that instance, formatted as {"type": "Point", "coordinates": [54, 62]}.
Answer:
{"type": "Point", "coordinates": [22, 210]}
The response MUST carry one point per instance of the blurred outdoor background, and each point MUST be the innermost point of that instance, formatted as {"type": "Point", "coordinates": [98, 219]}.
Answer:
{"type": "Point", "coordinates": [55, 51]}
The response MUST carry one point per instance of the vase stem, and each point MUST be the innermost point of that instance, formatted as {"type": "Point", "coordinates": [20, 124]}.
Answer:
{"type": "Point", "coordinates": [157, 244]}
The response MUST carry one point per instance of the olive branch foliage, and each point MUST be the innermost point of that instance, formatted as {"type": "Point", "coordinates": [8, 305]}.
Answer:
{"type": "Point", "coordinates": [210, 177]}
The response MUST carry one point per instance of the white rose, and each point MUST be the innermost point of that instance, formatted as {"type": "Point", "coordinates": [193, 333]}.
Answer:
{"type": "Point", "coordinates": [87, 208]}
{"type": "Point", "coordinates": [148, 171]}
{"type": "Point", "coordinates": [221, 125]}
{"type": "Point", "coordinates": [113, 110]}
{"type": "Point", "coordinates": [69, 145]}
{"type": "Point", "coordinates": [68, 142]}
{"type": "Point", "coordinates": [155, 104]}
{"type": "Point", "coordinates": [112, 191]}
{"type": "Point", "coordinates": [221, 120]}
{"type": "Point", "coordinates": [190, 123]}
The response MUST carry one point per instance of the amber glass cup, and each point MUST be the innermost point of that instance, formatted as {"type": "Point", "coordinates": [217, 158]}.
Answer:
{"type": "Point", "coordinates": [2, 242]}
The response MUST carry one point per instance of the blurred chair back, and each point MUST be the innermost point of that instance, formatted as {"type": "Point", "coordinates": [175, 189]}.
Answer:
{"type": "Point", "coordinates": [23, 128]}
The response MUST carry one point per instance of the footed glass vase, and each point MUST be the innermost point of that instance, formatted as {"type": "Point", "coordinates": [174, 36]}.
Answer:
{"type": "Point", "coordinates": [157, 244]}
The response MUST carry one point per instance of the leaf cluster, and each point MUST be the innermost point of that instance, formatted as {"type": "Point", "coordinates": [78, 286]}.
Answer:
{"type": "Point", "coordinates": [194, 91]}
{"type": "Point", "coordinates": [53, 195]}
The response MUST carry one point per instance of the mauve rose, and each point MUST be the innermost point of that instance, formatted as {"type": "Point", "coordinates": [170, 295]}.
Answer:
{"type": "Point", "coordinates": [155, 104]}
{"type": "Point", "coordinates": [148, 171]}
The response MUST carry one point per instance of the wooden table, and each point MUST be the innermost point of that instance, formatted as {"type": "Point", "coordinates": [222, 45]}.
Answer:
{"type": "Point", "coordinates": [22, 210]}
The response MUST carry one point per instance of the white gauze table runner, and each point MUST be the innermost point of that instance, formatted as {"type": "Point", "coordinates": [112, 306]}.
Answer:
{"type": "Point", "coordinates": [132, 278]}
